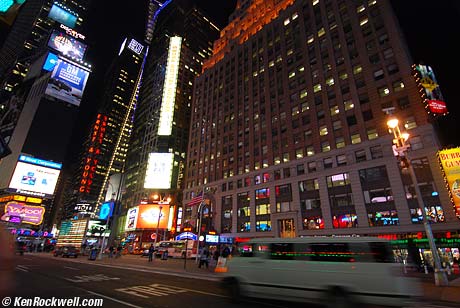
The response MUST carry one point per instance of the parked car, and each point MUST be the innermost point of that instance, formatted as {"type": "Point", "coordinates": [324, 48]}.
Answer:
{"type": "Point", "coordinates": [66, 251]}
{"type": "Point", "coordinates": [21, 247]}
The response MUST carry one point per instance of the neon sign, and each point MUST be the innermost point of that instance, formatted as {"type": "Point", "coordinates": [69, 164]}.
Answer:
{"type": "Point", "coordinates": [29, 214]}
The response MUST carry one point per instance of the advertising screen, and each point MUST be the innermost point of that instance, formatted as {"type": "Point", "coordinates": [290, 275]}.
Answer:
{"type": "Point", "coordinates": [212, 238]}
{"type": "Point", "coordinates": [433, 93]}
{"type": "Point", "coordinates": [23, 213]}
{"type": "Point", "coordinates": [34, 175]}
{"type": "Point", "coordinates": [159, 171]}
{"type": "Point", "coordinates": [64, 17]}
{"type": "Point", "coordinates": [67, 82]}
{"type": "Point", "coordinates": [67, 45]}
{"type": "Point", "coordinates": [106, 210]}
{"type": "Point", "coordinates": [148, 216]}
{"type": "Point", "coordinates": [50, 62]}
{"type": "Point", "coordinates": [131, 218]}
{"type": "Point", "coordinates": [450, 161]}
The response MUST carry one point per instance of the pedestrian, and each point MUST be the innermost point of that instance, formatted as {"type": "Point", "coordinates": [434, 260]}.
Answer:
{"type": "Point", "coordinates": [111, 249]}
{"type": "Point", "coordinates": [151, 252]}
{"type": "Point", "coordinates": [119, 249]}
{"type": "Point", "coordinates": [204, 257]}
{"type": "Point", "coordinates": [225, 252]}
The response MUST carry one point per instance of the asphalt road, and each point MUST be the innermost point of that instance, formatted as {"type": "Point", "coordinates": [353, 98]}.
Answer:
{"type": "Point", "coordinates": [47, 278]}
{"type": "Point", "coordinates": [117, 287]}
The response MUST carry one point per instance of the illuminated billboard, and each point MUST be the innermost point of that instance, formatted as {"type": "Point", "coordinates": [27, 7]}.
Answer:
{"type": "Point", "coordinates": [67, 82]}
{"type": "Point", "coordinates": [169, 87]}
{"type": "Point", "coordinates": [450, 161]}
{"type": "Point", "coordinates": [35, 176]}
{"type": "Point", "coordinates": [66, 45]}
{"type": "Point", "coordinates": [131, 219]}
{"type": "Point", "coordinates": [159, 171]}
{"type": "Point", "coordinates": [147, 217]}
{"type": "Point", "coordinates": [106, 209]}
{"type": "Point", "coordinates": [63, 16]}
{"type": "Point", "coordinates": [50, 62]}
{"type": "Point", "coordinates": [434, 102]}
{"type": "Point", "coordinates": [23, 213]}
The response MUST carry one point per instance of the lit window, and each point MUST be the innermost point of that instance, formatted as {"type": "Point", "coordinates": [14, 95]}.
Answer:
{"type": "Point", "coordinates": [343, 75]}
{"type": "Point", "coordinates": [364, 21]}
{"type": "Point", "coordinates": [286, 22]}
{"type": "Point", "coordinates": [291, 74]}
{"type": "Point", "coordinates": [311, 39]}
{"type": "Point", "coordinates": [310, 150]}
{"type": "Point", "coordinates": [317, 88]}
{"type": "Point", "coordinates": [398, 86]}
{"type": "Point", "coordinates": [294, 16]}
{"type": "Point", "coordinates": [360, 8]}
{"type": "Point", "coordinates": [372, 134]}
{"type": "Point", "coordinates": [371, 2]}
{"type": "Point", "coordinates": [286, 157]}
{"type": "Point", "coordinates": [355, 138]}
{"type": "Point", "coordinates": [334, 110]}
{"type": "Point", "coordinates": [315, 2]}
{"type": "Point", "coordinates": [384, 91]}
{"type": "Point", "coordinates": [410, 123]}
{"type": "Point", "coordinates": [323, 130]}
{"type": "Point", "coordinates": [299, 153]}
{"type": "Point", "coordinates": [304, 106]}
{"type": "Point", "coordinates": [303, 93]}
{"type": "Point", "coordinates": [330, 81]}
{"type": "Point", "coordinates": [321, 32]}
{"type": "Point", "coordinates": [277, 160]}
{"type": "Point", "coordinates": [348, 104]}
{"type": "Point", "coordinates": [339, 142]}
{"type": "Point", "coordinates": [325, 146]}
{"type": "Point", "coordinates": [357, 69]}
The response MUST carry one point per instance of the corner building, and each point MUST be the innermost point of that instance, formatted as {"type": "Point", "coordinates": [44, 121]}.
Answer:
{"type": "Point", "coordinates": [289, 125]}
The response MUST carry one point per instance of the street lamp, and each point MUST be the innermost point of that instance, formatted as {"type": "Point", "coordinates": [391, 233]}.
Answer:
{"type": "Point", "coordinates": [401, 149]}
{"type": "Point", "coordinates": [160, 200]}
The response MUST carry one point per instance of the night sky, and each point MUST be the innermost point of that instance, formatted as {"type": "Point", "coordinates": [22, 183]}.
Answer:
{"type": "Point", "coordinates": [431, 29]}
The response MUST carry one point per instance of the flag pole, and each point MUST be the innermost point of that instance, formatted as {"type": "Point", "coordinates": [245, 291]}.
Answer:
{"type": "Point", "coordinates": [200, 208]}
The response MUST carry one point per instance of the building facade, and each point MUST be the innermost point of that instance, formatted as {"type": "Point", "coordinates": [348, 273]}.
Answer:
{"type": "Point", "coordinates": [289, 125]}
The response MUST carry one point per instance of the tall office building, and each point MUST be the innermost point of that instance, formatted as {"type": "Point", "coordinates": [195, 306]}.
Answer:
{"type": "Point", "coordinates": [289, 125]}
{"type": "Point", "coordinates": [181, 41]}
{"type": "Point", "coordinates": [39, 117]}
{"type": "Point", "coordinates": [107, 143]}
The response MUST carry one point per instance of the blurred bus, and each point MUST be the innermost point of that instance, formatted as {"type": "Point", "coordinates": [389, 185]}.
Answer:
{"type": "Point", "coordinates": [331, 271]}
{"type": "Point", "coordinates": [176, 249]}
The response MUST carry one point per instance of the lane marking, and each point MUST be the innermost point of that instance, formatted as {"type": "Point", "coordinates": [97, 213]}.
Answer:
{"type": "Point", "coordinates": [113, 299]}
{"type": "Point", "coordinates": [90, 278]}
{"type": "Point", "coordinates": [72, 268]}
{"type": "Point", "coordinates": [161, 290]}
{"type": "Point", "coordinates": [22, 268]}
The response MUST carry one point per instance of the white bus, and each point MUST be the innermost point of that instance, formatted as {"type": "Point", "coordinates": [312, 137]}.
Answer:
{"type": "Point", "coordinates": [332, 271]}
{"type": "Point", "coordinates": [176, 249]}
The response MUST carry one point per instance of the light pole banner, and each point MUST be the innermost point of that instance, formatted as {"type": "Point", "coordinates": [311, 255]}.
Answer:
{"type": "Point", "coordinates": [450, 161]}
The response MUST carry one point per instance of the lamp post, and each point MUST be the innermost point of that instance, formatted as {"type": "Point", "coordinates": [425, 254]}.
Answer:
{"type": "Point", "coordinates": [401, 148]}
{"type": "Point", "coordinates": [160, 200]}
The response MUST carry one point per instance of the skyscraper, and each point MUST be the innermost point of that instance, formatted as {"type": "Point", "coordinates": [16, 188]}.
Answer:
{"type": "Point", "coordinates": [181, 41]}
{"type": "Point", "coordinates": [289, 125]}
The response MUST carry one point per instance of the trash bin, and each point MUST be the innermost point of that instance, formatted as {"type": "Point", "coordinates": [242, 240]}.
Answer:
{"type": "Point", "coordinates": [92, 254]}
{"type": "Point", "coordinates": [164, 256]}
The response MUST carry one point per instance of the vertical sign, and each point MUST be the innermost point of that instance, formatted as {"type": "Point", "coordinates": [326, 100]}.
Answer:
{"type": "Point", "coordinates": [450, 161]}
{"type": "Point", "coordinates": [169, 87]}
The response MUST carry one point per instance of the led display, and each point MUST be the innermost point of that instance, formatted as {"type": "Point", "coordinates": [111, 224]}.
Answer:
{"type": "Point", "coordinates": [159, 171]}
{"type": "Point", "coordinates": [64, 17]}
{"type": "Point", "coordinates": [106, 210]}
{"type": "Point", "coordinates": [50, 62]}
{"type": "Point", "coordinates": [131, 219]}
{"type": "Point", "coordinates": [23, 213]}
{"type": "Point", "coordinates": [66, 45]}
{"type": "Point", "coordinates": [148, 216]}
{"type": "Point", "coordinates": [450, 161]}
{"type": "Point", "coordinates": [169, 87]}
{"type": "Point", "coordinates": [33, 175]}
{"type": "Point", "coordinates": [67, 82]}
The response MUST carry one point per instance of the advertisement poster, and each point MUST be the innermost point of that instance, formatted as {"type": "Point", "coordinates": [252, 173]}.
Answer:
{"type": "Point", "coordinates": [131, 219]}
{"type": "Point", "coordinates": [450, 161]}
{"type": "Point", "coordinates": [23, 213]}
{"type": "Point", "coordinates": [61, 15]}
{"type": "Point", "coordinates": [148, 216]}
{"type": "Point", "coordinates": [66, 45]}
{"type": "Point", "coordinates": [67, 82]}
{"type": "Point", "coordinates": [159, 171]}
{"type": "Point", "coordinates": [35, 177]}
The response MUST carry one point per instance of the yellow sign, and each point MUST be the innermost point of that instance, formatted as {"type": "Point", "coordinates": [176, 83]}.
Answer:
{"type": "Point", "coordinates": [450, 161]}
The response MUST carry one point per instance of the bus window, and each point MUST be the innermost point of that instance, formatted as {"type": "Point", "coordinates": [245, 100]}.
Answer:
{"type": "Point", "coordinates": [245, 250]}
{"type": "Point", "coordinates": [282, 251]}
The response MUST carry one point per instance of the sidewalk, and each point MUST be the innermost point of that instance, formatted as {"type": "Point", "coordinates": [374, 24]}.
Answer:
{"type": "Point", "coordinates": [449, 295]}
